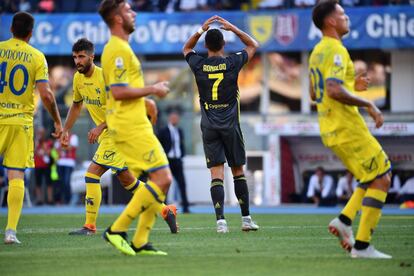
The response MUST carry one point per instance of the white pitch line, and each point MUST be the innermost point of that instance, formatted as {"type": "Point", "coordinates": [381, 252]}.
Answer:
{"type": "Point", "coordinates": [63, 230]}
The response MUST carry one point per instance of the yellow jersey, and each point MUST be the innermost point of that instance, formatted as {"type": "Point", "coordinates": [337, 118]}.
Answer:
{"type": "Point", "coordinates": [122, 68]}
{"type": "Point", "coordinates": [91, 91]}
{"type": "Point", "coordinates": [339, 123]}
{"type": "Point", "coordinates": [21, 66]}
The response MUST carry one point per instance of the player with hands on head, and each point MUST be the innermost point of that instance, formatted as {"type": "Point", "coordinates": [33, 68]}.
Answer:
{"type": "Point", "coordinates": [216, 78]}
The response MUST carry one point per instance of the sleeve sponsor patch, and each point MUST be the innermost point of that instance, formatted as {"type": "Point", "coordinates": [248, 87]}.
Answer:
{"type": "Point", "coordinates": [119, 62]}
{"type": "Point", "coordinates": [120, 74]}
{"type": "Point", "coordinates": [338, 60]}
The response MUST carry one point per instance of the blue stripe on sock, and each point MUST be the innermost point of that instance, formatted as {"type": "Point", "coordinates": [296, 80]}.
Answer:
{"type": "Point", "coordinates": [135, 186]}
{"type": "Point", "coordinates": [153, 192]}
{"type": "Point", "coordinates": [91, 180]}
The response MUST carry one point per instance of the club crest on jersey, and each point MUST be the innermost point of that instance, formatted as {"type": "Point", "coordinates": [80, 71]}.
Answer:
{"type": "Point", "coordinates": [261, 27]}
{"type": "Point", "coordinates": [286, 28]}
{"type": "Point", "coordinates": [119, 62]}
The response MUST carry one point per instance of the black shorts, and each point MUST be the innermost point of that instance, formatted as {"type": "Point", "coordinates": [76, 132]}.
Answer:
{"type": "Point", "coordinates": [224, 144]}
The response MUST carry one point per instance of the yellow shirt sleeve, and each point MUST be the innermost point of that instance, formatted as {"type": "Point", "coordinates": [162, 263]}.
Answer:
{"type": "Point", "coordinates": [77, 97]}
{"type": "Point", "coordinates": [42, 72]}
{"type": "Point", "coordinates": [118, 66]}
{"type": "Point", "coordinates": [336, 65]}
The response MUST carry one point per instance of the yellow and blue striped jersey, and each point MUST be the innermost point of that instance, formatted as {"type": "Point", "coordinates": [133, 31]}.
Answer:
{"type": "Point", "coordinates": [21, 66]}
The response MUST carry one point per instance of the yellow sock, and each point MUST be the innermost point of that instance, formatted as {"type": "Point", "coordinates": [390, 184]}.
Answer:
{"type": "Point", "coordinates": [354, 203]}
{"type": "Point", "coordinates": [92, 199]}
{"type": "Point", "coordinates": [147, 196]}
{"type": "Point", "coordinates": [15, 198]}
{"type": "Point", "coordinates": [145, 224]}
{"type": "Point", "coordinates": [133, 186]}
{"type": "Point", "coordinates": [371, 212]}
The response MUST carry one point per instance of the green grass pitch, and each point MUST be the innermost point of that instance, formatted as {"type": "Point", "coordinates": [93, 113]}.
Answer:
{"type": "Point", "coordinates": [285, 245]}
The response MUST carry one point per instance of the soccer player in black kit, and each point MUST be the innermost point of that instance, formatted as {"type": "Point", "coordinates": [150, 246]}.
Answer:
{"type": "Point", "coordinates": [216, 77]}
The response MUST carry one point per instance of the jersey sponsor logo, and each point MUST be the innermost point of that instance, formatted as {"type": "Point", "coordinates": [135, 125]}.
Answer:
{"type": "Point", "coordinates": [286, 28]}
{"type": "Point", "coordinates": [261, 27]}
{"type": "Point", "coordinates": [9, 105]}
{"type": "Point", "coordinates": [90, 101]}
{"type": "Point", "coordinates": [216, 106]}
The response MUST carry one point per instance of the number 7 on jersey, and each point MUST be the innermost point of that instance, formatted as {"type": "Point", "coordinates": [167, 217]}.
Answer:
{"type": "Point", "coordinates": [218, 77]}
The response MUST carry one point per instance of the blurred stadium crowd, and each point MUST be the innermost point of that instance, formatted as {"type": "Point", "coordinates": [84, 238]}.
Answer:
{"type": "Point", "coordinates": [170, 6]}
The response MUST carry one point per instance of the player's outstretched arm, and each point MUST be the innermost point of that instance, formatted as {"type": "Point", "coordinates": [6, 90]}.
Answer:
{"type": "Point", "coordinates": [192, 41]}
{"type": "Point", "coordinates": [251, 43]}
{"type": "Point", "coordinates": [71, 118]}
{"type": "Point", "coordinates": [159, 89]}
{"type": "Point", "coordinates": [337, 92]}
{"type": "Point", "coordinates": [49, 101]}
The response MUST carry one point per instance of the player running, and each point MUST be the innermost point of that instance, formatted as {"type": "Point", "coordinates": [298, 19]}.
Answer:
{"type": "Point", "coordinates": [132, 131]}
{"type": "Point", "coordinates": [89, 88]}
{"type": "Point", "coordinates": [22, 68]}
{"type": "Point", "coordinates": [216, 78]}
{"type": "Point", "coordinates": [345, 132]}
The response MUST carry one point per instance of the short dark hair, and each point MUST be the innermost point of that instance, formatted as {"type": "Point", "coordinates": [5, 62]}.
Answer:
{"type": "Point", "coordinates": [107, 8]}
{"type": "Point", "coordinates": [322, 10]}
{"type": "Point", "coordinates": [83, 45]}
{"type": "Point", "coordinates": [22, 24]}
{"type": "Point", "coordinates": [214, 40]}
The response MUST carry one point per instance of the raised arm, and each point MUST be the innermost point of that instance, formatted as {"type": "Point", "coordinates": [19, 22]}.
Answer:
{"type": "Point", "coordinates": [49, 101]}
{"type": "Point", "coordinates": [251, 43]}
{"type": "Point", "coordinates": [192, 41]}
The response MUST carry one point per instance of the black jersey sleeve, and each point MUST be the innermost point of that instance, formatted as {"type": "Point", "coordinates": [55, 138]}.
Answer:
{"type": "Point", "coordinates": [239, 59]}
{"type": "Point", "coordinates": [193, 60]}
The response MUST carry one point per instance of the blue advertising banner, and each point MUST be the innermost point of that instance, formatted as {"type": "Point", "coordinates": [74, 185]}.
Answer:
{"type": "Point", "coordinates": [285, 30]}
